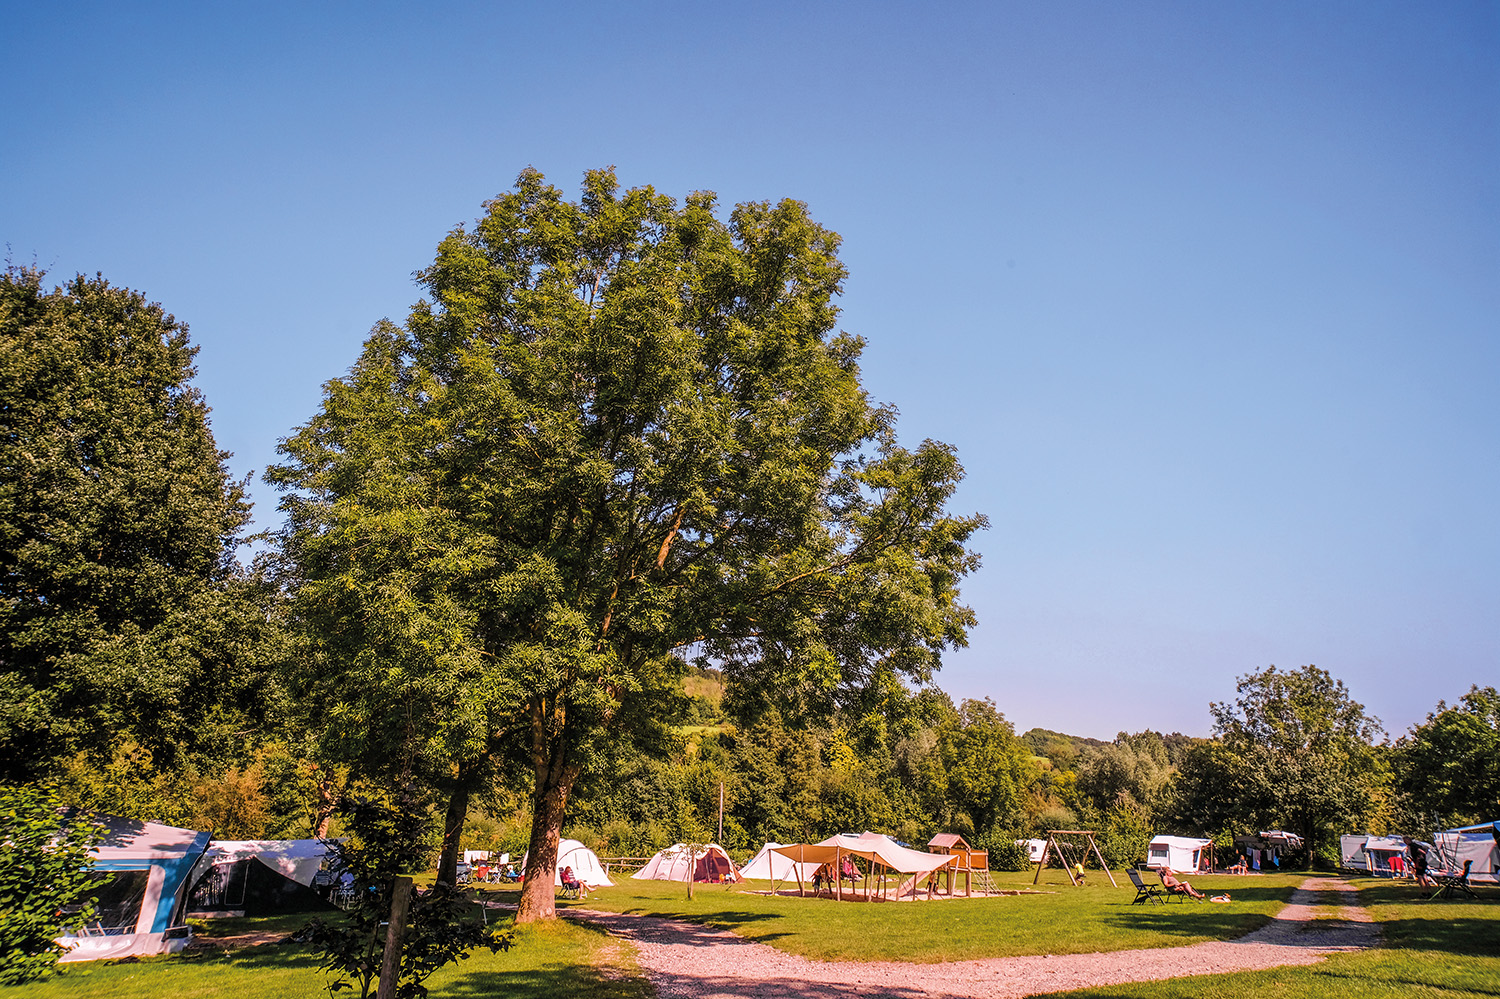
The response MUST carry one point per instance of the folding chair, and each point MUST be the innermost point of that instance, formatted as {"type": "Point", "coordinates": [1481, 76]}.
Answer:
{"type": "Point", "coordinates": [1450, 885]}
{"type": "Point", "coordinates": [1145, 893]}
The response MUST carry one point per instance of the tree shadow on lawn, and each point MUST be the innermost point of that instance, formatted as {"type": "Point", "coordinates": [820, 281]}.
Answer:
{"type": "Point", "coordinates": [1217, 922]}
{"type": "Point", "coordinates": [1407, 892]}
{"type": "Point", "coordinates": [710, 924]}
{"type": "Point", "coordinates": [1459, 936]}
{"type": "Point", "coordinates": [265, 956]}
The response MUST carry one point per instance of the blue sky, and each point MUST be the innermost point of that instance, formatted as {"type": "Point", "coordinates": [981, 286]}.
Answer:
{"type": "Point", "coordinates": [1206, 295]}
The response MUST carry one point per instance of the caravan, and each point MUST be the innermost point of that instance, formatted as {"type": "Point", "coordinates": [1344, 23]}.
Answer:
{"type": "Point", "coordinates": [1179, 853]}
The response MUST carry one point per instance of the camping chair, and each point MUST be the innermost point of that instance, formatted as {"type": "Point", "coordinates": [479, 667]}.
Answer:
{"type": "Point", "coordinates": [570, 889]}
{"type": "Point", "coordinates": [1143, 892]}
{"type": "Point", "coordinates": [1176, 893]}
{"type": "Point", "coordinates": [1450, 885]}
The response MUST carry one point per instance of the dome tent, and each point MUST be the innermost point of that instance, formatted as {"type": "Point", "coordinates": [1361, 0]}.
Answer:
{"type": "Point", "coordinates": [677, 863]}
{"type": "Point", "coordinates": [585, 864]}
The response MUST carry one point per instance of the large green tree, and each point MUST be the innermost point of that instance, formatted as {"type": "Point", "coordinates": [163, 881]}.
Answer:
{"type": "Point", "coordinates": [1449, 766]}
{"type": "Point", "coordinates": [123, 616]}
{"type": "Point", "coordinates": [620, 433]}
{"type": "Point", "coordinates": [1293, 751]}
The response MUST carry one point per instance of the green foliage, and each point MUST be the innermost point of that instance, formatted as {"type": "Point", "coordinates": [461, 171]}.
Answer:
{"type": "Point", "coordinates": [1294, 752]}
{"type": "Point", "coordinates": [389, 834]}
{"type": "Point", "coordinates": [1449, 767]}
{"type": "Point", "coordinates": [1006, 854]}
{"type": "Point", "coordinates": [123, 614]}
{"type": "Point", "coordinates": [46, 880]}
{"type": "Point", "coordinates": [620, 433]}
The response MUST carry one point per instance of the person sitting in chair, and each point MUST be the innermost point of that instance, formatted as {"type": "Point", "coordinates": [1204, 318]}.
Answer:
{"type": "Point", "coordinates": [1175, 887]}
{"type": "Point", "coordinates": [572, 883]}
{"type": "Point", "coordinates": [1240, 866]}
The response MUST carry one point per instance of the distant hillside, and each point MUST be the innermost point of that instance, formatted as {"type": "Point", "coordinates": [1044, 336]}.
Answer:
{"type": "Point", "coordinates": [1062, 749]}
{"type": "Point", "coordinates": [1045, 742]}
{"type": "Point", "coordinates": [705, 691]}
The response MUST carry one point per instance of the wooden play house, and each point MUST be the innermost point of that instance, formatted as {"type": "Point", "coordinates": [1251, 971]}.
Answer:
{"type": "Point", "coordinates": [973, 865]}
{"type": "Point", "coordinates": [1080, 838]}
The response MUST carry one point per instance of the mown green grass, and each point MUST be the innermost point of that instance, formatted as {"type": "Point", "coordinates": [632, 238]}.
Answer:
{"type": "Point", "coordinates": [561, 959]}
{"type": "Point", "coordinates": [1068, 921]}
{"type": "Point", "coordinates": [1428, 949]}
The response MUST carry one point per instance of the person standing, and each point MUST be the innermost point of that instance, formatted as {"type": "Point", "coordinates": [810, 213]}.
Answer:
{"type": "Point", "coordinates": [1418, 851]}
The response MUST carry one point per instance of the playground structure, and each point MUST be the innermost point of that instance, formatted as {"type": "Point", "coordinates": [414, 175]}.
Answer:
{"type": "Point", "coordinates": [1067, 862]}
{"type": "Point", "coordinates": [973, 864]}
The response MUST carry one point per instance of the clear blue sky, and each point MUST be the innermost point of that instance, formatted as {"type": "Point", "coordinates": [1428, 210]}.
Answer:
{"type": "Point", "coordinates": [1207, 295]}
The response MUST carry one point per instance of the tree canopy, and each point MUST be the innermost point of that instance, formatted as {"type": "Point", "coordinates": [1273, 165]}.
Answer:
{"type": "Point", "coordinates": [123, 616]}
{"type": "Point", "coordinates": [1294, 750]}
{"type": "Point", "coordinates": [1449, 766]}
{"type": "Point", "coordinates": [621, 433]}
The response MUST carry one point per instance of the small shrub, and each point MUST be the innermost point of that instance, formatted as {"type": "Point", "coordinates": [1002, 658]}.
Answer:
{"type": "Point", "coordinates": [389, 835]}
{"type": "Point", "coordinates": [1008, 855]}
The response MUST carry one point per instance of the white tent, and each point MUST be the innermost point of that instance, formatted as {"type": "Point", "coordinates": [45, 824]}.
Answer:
{"type": "Point", "coordinates": [1180, 853]}
{"type": "Point", "coordinates": [768, 865]}
{"type": "Point", "coordinates": [1471, 843]}
{"type": "Point", "coordinates": [677, 863]}
{"type": "Point", "coordinates": [585, 864]}
{"type": "Point", "coordinates": [141, 908]}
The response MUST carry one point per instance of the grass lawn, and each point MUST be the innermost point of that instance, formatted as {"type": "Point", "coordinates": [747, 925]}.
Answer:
{"type": "Point", "coordinates": [1447, 949]}
{"type": "Point", "coordinates": [1438, 948]}
{"type": "Point", "coordinates": [1069, 921]}
{"type": "Point", "coordinates": [564, 959]}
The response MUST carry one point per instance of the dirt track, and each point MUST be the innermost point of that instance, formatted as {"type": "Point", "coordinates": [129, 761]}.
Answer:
{"type": "Point", "coordinates": [693, 962]}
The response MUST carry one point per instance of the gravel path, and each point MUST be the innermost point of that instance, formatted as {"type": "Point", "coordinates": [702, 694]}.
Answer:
{"type": "Point", "coordinates": [695, 962]}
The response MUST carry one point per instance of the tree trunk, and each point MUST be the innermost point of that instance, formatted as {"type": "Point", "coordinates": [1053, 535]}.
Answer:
{"type": "Point", "coordinates": [327, 800]}
{"type": "Point", "coordinates": [453, 828]}
{"type": "Point", "coordinates": [549, 801]}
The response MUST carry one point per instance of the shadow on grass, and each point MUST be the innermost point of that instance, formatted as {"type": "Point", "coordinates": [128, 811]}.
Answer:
{"type": "Point", "coordinates": [1219, 922]}
{"type": "Point", "coordinates": [265, 957]}
{"type": "Point", "coordinates": [1406, 892]}
{"type": "Point", "coordinates": [711, 924]}
{"type": "Point", "coordinates": [1461, 936]}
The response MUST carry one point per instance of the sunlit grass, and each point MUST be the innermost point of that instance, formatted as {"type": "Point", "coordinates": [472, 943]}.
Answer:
{"type": "Point", "coordinates": [1428, 949]}
{"type": "Point", "coordinates": [559, 959]}
{"type": "Point", "coordinates": [1068, 920]}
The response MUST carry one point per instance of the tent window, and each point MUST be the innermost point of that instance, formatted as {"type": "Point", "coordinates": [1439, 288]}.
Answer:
{"type": "Point", "coordinates": [119, 900]}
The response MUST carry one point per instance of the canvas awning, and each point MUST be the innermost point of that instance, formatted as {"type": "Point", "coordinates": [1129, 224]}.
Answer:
{"type": "Point", "coordinates": [296, 859]}
{"type": "Point", "coordinates": [868, 846]}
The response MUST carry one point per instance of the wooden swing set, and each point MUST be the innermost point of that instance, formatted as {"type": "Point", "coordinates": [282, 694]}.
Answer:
{"type": "Point", "coordinates": [1053, 844]}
